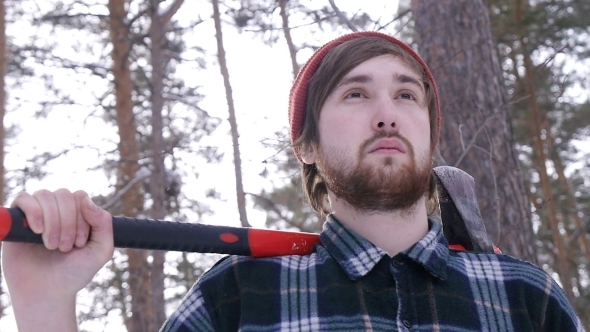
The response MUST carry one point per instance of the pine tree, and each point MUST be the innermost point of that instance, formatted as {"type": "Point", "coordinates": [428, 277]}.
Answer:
{"type": "Point", "coordinates": [126, 105]}
{"type": "Point", "coordinates": [537, 41]}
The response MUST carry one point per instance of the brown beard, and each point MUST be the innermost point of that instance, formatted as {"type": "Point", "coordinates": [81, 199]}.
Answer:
{"type": "Point", "coordinates": [370, 188]}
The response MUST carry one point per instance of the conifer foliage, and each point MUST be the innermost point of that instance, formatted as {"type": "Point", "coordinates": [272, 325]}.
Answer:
{"type": "Point", "coordinates": [138, 76]}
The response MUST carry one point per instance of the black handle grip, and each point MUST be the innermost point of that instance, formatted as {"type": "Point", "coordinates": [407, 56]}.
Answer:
{"type": "Point", "coordinates": [176, 236]}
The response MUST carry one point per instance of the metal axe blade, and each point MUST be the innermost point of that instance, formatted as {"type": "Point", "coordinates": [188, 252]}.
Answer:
{"type": "Point", "coordinates": [461, 217]}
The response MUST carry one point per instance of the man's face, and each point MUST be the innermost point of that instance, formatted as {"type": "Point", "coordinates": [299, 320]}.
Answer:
{"type": "Point", "coordinates": [374, 149]}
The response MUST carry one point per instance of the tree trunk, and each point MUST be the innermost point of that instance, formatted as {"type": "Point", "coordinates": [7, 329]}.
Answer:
{"type": "Point", "coordinates": [3, 66]}
{"type": "Point", "coordinates": [288, 38]}
{"type": "Point", "coordinates": [540, 164]}
{"type": "Point", "coordinates": [131, 200]}
{"type": "Point", "coordinates": [571, 207]}
{"type": "Point", "coordinates": [455, 40]}
{"type": "Point", "coordinates": [241, 196]}
{"type": "Point", "coordinates": [157, 180]}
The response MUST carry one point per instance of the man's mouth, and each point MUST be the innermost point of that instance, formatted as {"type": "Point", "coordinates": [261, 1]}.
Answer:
{"type": "Point", "coordinates": [387, 146]}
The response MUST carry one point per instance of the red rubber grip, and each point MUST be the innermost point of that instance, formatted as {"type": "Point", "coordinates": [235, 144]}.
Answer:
{"type": "Point", "coordinates": [265, 242]}
{"type": "Point", "coordinates": [5, 223]}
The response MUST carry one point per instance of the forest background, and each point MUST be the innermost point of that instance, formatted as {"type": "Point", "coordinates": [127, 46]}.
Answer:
{"type": "Point", "coordinates": [178, 110]}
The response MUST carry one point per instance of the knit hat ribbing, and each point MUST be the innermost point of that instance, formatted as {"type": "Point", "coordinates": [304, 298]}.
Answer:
{"type": "Point", "coordinates": [298, 95]}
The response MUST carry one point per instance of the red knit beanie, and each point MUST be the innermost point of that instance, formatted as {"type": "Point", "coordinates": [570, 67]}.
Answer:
{"type": "Point", "coordinates": [298, 95]}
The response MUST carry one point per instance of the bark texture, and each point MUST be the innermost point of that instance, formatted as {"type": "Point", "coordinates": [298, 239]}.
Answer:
{"type": "Point", "coordinates": [540, 160]}
{"type": "Point", "coordinates": [288, 38]}
{"type": "Point", "coordinates": [159, 62]}
{"type": "Point", "coordinates": [131, 200]}
{"type": "Point", "coordinates": [455, 40]}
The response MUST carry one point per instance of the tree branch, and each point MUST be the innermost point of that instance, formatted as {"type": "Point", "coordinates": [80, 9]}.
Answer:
{"type": "Point", "coordinates": [179, 99]}
{"type": "Point", "coordinates": [141, 174]}
{"type": "Point", "coordinates": [579, 232]}
{"type": "Point", "coordinates": [166, 16]}
{"type": "Point", "coordinates": [136, 17]}
{"type": "Point", "coordinates": [58, 17]}
{"type": "Point", "coordinates": [483, 125]}
{"type": "Point", "coordinates": [398, 17]}
{"type": "Point", "coordinates": [343, 17]}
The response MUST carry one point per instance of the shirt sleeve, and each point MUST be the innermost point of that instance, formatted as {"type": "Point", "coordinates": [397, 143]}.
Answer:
{"type": "Point", "coordinates": [559, 313]}
{"type": "Point", "coordinates": [192, 314]}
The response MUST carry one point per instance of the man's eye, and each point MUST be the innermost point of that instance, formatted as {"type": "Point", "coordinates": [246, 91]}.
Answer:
{"type": "Point", "coordinates": [354, 95]}
{"type": "Point", "coordinates": [407, 95]}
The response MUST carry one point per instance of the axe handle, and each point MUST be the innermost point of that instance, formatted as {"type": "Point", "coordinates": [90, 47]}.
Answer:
{"type": "Point", "coordinates": [175, 236]}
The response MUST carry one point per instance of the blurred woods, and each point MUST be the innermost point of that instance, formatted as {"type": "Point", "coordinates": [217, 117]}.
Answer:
{"type": "Point", "coordinates": [150, 86]}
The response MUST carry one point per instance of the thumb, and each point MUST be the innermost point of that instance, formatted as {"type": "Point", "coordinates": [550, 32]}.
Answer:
{"type": "Point", "coordinates": [101, 226]}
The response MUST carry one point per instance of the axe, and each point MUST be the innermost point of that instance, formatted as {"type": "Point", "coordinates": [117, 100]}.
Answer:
{"type": "Point", "coordinates": [462, 224]}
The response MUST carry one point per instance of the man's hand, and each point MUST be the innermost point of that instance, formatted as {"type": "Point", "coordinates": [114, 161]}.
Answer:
{"type": "Point", "coordinates": [43, 279]}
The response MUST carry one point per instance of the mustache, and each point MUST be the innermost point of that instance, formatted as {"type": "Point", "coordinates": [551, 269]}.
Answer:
{"type": "Point", "coordinates": [384, 134]}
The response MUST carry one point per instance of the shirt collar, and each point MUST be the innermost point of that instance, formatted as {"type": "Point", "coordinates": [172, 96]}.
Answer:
{"type": "Point", "coordinates": [357, 256]}
{"type": "Point", "coordinates": [432, 251]}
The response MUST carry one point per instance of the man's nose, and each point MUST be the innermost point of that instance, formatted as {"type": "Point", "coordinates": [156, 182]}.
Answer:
{"type": "Point", "coordinates": [385, 115]}
{"type": "Point", "coordinates": [383, 125]}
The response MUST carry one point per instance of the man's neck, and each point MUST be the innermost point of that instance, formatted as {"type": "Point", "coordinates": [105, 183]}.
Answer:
{"type": "Point", "coordinates": [393, 231]}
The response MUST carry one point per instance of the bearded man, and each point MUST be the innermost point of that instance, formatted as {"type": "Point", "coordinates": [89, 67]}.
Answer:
{"type": "Point", "coordinates": [365, 119]}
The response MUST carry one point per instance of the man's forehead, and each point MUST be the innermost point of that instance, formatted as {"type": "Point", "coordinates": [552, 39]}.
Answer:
{"type": "Point", "coordinates": [402, 66]}
{"type": "Point", "coordinates": [362, 73]}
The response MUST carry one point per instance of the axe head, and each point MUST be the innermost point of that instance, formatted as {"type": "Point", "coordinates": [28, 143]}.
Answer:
{"type": "Point", "coordinates": [461, 217]}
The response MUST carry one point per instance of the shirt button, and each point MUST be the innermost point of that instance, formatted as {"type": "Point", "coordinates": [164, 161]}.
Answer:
{"type": "Point", "coordinates": [397, 263]}
{"type": "Point", "coordinates": [406, 323]}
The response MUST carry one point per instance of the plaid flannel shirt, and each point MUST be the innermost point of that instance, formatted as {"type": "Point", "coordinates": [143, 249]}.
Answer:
{"type": "Point", "coordinates": [349, 284]}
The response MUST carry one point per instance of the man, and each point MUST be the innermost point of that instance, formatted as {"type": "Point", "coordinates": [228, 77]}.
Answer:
{"type": "Point", "coordinates": [365, 117]}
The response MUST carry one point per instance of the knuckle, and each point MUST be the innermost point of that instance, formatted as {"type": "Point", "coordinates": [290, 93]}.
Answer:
{"type": "Point", "coordinates": [80, 193]}
{"type": "Point", "coordinates": [28, 204]}
{"type": "Point", "coordinates": [41, 193]}
{"type": "Point", "coordinates": [63, 193]}
{"type": "Point", "coordinates": [22, 194]}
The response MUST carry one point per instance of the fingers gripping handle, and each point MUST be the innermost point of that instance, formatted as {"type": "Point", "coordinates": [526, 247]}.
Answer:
{"type": "Point", "coordinates": [176, 236]}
